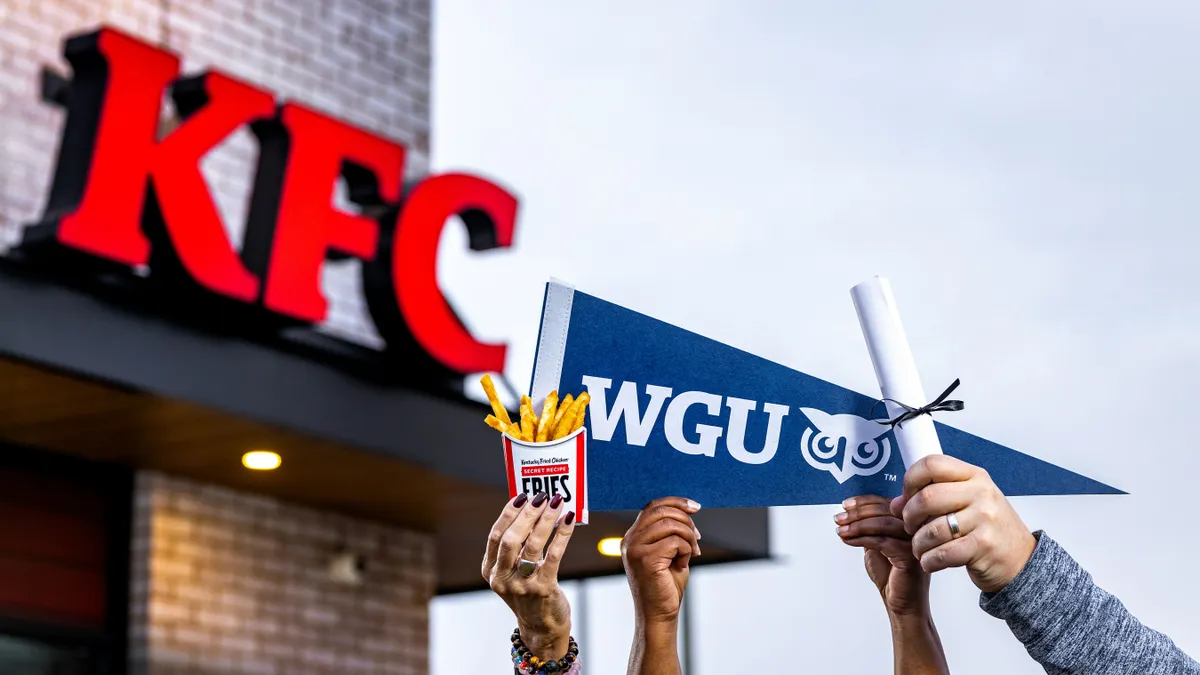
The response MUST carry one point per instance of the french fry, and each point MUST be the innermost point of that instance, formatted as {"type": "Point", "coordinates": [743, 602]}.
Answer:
{"type": "Point", "coordinates": [497, 407]}
{"type": "Point", "coordinates": [512, 429]}
{"type": "Point", "coordinates": [566, 418]}
{"type": "Point", "coordinates": [548, 410]}
{"type": "Point", "coordinates": [527, 412]}
{"type": "Point", "coordinates": [584, 400]}
{"type": "Point", "coordinates": [558, 420]}
{"type": "Point", "coordinates": [528, 418]}
{"type": "Point", "coordinates": [563, 406]}
{"type": "Point", "coordinates": [528, 423]}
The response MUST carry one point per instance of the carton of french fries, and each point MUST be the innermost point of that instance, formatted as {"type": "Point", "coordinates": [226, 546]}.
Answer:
{"type": "Point", "coordinates": [546, 451]}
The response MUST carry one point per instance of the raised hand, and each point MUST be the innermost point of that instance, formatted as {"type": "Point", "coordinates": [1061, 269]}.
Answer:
{"type": "Point", "coordinates": [657, 551]}
{"type": "Point", "coordinates": [887, 553]}
{"type": "Point", "coordinates": [958, 517]}
{"type": "Point", "coordinates": [521, 562]}
{"type": "Point", "coordinates": [868, 523]}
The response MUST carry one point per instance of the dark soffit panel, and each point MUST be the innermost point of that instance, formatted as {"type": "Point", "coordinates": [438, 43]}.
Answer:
{"type": "Point", "coordinates": [76, 331]}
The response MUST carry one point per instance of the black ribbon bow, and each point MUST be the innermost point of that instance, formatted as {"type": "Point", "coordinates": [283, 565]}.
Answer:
{"type": "Point", "coordinates": [939, 404]}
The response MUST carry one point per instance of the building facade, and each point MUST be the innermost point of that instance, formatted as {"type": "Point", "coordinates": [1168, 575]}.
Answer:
{"type": "Point", "coordinates": [225, 581]}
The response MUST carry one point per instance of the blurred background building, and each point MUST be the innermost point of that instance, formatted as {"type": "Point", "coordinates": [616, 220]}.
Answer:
{"type": "Point", "coordinates": [132, 537]}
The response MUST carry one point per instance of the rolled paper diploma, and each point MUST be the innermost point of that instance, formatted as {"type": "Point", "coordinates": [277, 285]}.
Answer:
{"type": "Point", "coordinates": [895, 367]}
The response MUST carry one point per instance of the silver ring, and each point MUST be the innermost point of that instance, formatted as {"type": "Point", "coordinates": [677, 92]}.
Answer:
{"type": "Point", "coordinates": [526, 568]}
{"type": "Point", "coordinates": [953, 520]}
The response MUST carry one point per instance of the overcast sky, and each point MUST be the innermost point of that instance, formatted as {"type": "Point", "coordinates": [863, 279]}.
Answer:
{"type": "Point", "coordinates": [1024, 172]}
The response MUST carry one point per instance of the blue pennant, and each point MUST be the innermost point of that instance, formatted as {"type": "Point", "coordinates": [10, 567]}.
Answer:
{"type": "Point", "coordinates": [676, 413]}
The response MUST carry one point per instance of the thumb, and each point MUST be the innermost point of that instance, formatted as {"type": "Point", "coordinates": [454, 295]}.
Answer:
{"type": "Point", "coordinates": [681, 570]}
{"type": "Point", "coordinates": [878, 567]}
{"type": "Point", "coordinates": [683, 555]}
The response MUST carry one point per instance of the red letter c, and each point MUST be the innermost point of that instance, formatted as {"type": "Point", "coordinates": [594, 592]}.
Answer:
{"type": "Point", "coordinates": [490, 214]}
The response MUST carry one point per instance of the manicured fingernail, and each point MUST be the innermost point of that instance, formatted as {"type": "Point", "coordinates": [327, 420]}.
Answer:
{"type": "Point", "coordinates": [698, 554]}
{"type": "Point", "coordinates": [555, 501]}
{"type": "Point", "coordinates": [693, 506]}
{"type": "Point", "coordinates": [849, 503]}
{"type": "Point", "coordinates": [843, 529]}
{"type": "Point", "coordinates": [697, 531]}
{"type": "Point", "coordinates": [539, 499]}
{"type": "Point", "coordinates": [839, 518]}
{"type": "Point", "coordinates": [520, 500]}
{"type": "Point", "coordinates": [570, 517]}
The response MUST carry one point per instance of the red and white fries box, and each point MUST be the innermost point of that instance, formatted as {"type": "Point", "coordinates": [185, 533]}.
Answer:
{"type": "Point", "coordinates": [555, 467]}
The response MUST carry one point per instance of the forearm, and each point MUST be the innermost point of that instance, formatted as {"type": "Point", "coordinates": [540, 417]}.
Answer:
{"type": "Point", "coordinates": [1071, 626]}
{"type": "Point", "coordinates": [916, 647]}
{"type": "Point", "coordinates": [655, 649]}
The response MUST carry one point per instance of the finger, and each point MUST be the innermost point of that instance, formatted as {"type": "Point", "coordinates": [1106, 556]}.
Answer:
{"type": "Point", "coordinates": [936, 469]}
{"type": "Point", "coordinates": [661, 529]}
{"type": "Point", "coordinates": [954, 553]}
{"type": "Point", "coordinates": [861, 512]}
{"type": "Point", "coordinates": [888, 546]}
{"type": "Point", "coordinates": [937, 500]}
{"type": "Point", "coordinates": [654, 514]}
{"type": "Point", "coordinates": [686, 505]}
{"type": "Point", "coordinates": [673, 547]}
{"type": "Point", "coordinates": [558, 547]}
{"type": "Point", "coordinates": [863, 500]}
{"type": "Point", "coordinates": [883, 526]}
{"type": "Point", "coordinates": [651, 515]}
{"type": "Point", "coordinates": [507, 516]}
{"type": "Point", "coordinates": [937, 531]}
{"type": "Point", "coordinates": [535, 545]}
{"type": "Point", "coordinates": [872, 542]}
{"type": "Point", "coordinates": [513, 539]}
{"type": "Point", "coordinates": [681, 552]}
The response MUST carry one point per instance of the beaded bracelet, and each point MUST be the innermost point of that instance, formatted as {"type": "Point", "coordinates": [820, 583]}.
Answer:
{"type": "Point", "coordinates": [524, 660]}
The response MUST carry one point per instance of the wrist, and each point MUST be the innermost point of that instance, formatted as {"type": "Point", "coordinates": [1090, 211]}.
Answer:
{"type": "Point", "coordinates": [658, 624]}
{"type": "Point", "coordinates": [527, 662]}
{"type": "Point", "coordinates": [916, 647]}
{"type": "Point", "coordinates": [1021, 554]}
{"type": "Point", "coordinates": [658, 630]}
{"type": "Point", "coordinates": [656, 618]}
{"type": "Point", "coordinates": [910, 621]}
{"type": "Point", "coordinates": [546, 642]}
{"type": "Point", "coordinates": [655, 645]}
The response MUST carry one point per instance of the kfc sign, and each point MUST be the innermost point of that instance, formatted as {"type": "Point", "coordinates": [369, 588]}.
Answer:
{"type": "Point", "coordinates": [126, 194]}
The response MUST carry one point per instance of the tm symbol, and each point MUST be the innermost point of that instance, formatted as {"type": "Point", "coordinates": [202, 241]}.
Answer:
{"type": "Point", "coordinates": [889, 477]}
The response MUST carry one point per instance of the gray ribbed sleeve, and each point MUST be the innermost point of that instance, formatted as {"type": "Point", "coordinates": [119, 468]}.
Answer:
{"type": "Point", "coordinates": [1071, 626]}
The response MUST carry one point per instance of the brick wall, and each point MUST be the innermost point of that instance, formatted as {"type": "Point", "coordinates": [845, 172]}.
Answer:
{"type": "Point", "coordinates": [365, 61]}
{"type": "Point", "coordinates": [225, 582]}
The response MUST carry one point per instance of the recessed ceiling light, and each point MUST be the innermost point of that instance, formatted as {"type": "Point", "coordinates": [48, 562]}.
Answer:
{"type": "Point", "coordinates": [610, 546]}
{"type": "Point", "coordinates": [261, 460]}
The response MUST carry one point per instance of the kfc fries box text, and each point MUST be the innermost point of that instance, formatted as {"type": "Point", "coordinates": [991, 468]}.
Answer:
{"type": "Point", "coordinates": [676, 413]}
{"type": "Point", "coordinates": [556, 467]}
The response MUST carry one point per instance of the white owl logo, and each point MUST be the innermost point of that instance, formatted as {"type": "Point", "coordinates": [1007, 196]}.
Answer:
{"type": "Point", "coordinates": [863, 444]}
